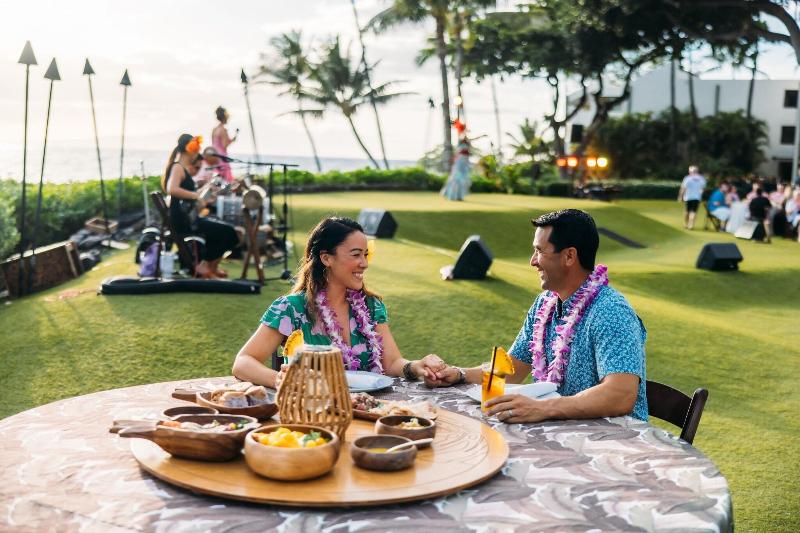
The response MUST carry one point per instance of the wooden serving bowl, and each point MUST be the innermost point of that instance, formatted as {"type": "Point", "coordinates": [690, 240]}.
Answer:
{"type": "Point", "coordinates": [389, 425]}
{"type": "Point", "coordinates": [386, 462]}
{"type": "Point", "coordinates": [202, 445]}
{"type": "Point", "coordinates": [291, 464]}
{"type": "Point", "coordinates": [172, 412]}
{"type": "Point", "coordinates": [203, 398]}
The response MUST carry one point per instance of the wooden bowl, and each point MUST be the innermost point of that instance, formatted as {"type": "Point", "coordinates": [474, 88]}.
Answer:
{"type": "Point", "coordinates": [386, 462]}
{"type": "Point", "coordinates": [203, 398]}
{"type": "Point", "coordinates": [202, 445]}
{"type": "Point", "coordinates": [291, 464]}
{"type": "Point", "coordinates": [389, 425]}
{"type": "Point", "coordinates": [172, 412]}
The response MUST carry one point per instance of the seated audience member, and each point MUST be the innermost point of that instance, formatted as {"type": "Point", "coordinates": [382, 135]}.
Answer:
{"type": "Point", "coordinates": [759, 210]}
{"type": "Point", "coordinates": [580, 333]}
{"type": "Point", "coordinates": [718, 203]}
{"type": "Point", "coordinates": [793, 212]}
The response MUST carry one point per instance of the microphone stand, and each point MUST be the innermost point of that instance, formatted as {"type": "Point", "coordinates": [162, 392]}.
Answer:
{"type": "Point", "coordinates": [286, 274]}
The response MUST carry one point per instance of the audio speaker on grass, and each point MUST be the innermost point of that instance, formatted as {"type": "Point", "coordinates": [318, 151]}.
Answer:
{"type": "Point", "coordinates": [719, 256]}
{"type": "Point", "coordinates": [378, 223]}
{"type": "Point", "coordinates": [751, 230]}
{"type": "Point", "coordinates": [473, 261]}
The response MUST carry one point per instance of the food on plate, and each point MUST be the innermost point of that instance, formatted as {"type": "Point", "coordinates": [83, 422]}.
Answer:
{"type": "Point", "coordinates": [243, 394]}
{"type": "Point", "coordinates": [293, 343]}
{"type": "Point", "coordinates": [365, 402]}
{"type": "Point", "coordinates": [411, 424]}
{"type": "Point", "coordinates": [214, 425]}
{"type": "Point", "coordinates": [286, 438]}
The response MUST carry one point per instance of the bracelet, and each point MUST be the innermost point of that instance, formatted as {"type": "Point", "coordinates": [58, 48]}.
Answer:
{"type": "Point", "coordinates": [408, 373]}
{"type": "Point", "coordinates": [462, 378]}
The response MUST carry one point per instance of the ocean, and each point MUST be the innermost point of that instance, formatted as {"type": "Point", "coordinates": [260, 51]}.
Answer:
{"type": "Point", "coordinates": [80, 164]}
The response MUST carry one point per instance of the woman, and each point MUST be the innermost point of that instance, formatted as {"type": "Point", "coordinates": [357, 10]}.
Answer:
{"type": "Point", "coordinates": [457, 185]}
{"type": "Point", "coordinates": [220, 140]}
{"type": "Point", "coordinates": [177, 182]}
{"type": "Point", "coordinates": [331, 305]}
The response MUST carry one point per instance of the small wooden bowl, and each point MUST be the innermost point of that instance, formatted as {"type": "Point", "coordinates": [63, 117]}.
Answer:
{"type": "Point", "coordinates": [388, 425]}
{"type": "Point", "coordinates": [172, 412]}
{"type": "Point", "coordinates": [291, 464]}
{"type": "Point", "coordinates": [386, 462]}
{"type": "Point", "coordinates": [203, 398]}
{"type": "Point", "coordinates": [202, 445]}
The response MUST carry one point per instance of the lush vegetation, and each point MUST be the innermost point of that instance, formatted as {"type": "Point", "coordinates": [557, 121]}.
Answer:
{"type": "Point", "coordinates": [725, 144]}
{"type": "Point", "coordinates": [734, 333]}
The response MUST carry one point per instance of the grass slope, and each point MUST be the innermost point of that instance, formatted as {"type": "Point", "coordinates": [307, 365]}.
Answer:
{"type": "Point", "coordinates": [730, 332]}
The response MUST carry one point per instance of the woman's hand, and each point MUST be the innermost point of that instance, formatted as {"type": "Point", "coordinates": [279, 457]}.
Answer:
{"type": "Point", "coordinates": [435, 372]}
{"type": "Point", "coordinates": [279, 377]}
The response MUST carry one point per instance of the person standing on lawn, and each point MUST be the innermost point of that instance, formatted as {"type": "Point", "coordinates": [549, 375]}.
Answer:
{"type": "Point", "coordinates": [580, 334]}
{"type": "Point", "coordinates": [691, 192]}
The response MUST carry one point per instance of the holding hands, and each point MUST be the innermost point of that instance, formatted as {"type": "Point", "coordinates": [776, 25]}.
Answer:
{"type": "Point", "coordinates": [435, 372]}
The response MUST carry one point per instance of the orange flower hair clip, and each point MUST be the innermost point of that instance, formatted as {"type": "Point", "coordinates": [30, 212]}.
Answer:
{"type": "Point", "coordinates": [193, 146]}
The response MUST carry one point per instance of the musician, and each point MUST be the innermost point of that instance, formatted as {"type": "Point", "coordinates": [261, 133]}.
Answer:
{"type": "Point", "coordinates": [177, 182]}
{"type": "Point", "coordinates": [220, 140]}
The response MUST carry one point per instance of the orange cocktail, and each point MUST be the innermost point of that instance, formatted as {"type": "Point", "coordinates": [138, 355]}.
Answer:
{"type": "Point", "coordinates": [497, 388]}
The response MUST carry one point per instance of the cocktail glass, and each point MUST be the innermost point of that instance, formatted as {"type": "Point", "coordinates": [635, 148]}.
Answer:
{"type": "Point", "coordinates": [497, 388]}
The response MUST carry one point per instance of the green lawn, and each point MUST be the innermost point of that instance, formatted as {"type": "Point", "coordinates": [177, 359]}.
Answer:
{"type": "Point", "coordinates": [730, 332]}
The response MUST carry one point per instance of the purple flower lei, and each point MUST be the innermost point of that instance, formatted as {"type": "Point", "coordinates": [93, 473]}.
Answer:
{"type": "Point", "coordinates": [364, 322]}
{"type": "Point", "coordinates": [561, 344]}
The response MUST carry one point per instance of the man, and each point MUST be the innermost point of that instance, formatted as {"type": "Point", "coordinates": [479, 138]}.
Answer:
{"type": "Point", "coordinates": [691, 192]}
{"type": "Point", "coordinates": [760, 207]}
{"type": "Point", "coordinates": [718, 203]}
{"type": "Point", "coordinates": [603, 372]}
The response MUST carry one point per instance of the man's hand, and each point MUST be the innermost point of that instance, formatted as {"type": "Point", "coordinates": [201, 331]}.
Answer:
{"type": "Point", "coordinates": [435, 372]}
{"type": "Point", "coordinates": [516, 408]}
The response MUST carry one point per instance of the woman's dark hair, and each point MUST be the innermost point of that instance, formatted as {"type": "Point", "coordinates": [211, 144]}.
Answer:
{"type": "Point", "coordinates": [572, 228]}
{"type": "Point", "coordinates": [324, 238]}
{"type": "Point", "coordinates": [220, 113]}
{"type": "Point", "coordinates": [180, 148]}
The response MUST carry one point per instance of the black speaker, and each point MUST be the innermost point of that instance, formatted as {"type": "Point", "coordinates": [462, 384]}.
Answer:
{"type": "Point", "coordinates": [751, 230]}
{"type": "Point", "coordinates": [719, 256]}
{"type": "Point", "coordinates": [473, 261]}
{"type": "Point", "coordinates": [378, 223]}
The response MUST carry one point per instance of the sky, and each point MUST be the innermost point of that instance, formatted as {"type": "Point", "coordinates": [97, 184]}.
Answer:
{"type": "Point", "coordinates": [184, 59]}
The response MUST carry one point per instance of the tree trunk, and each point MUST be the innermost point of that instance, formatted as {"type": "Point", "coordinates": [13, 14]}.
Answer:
{"type": "Point", "coordinates": [750, 89]}
{"type": "Point", "coordinates": [460, 67]}
{"type": "Point", "coordinates": [497, 122]}
{"type": "Point", "coordinates": [310, 138]}
{"type": "Point", "coordinates": [361, 143]}
{"type": "Point", "coordinates": [369, 84]}
{"type": "Point", "coordinates": [673, 111]}
{"type": "Point", "coordinates": [692, 106]}
{"type": "Point", "coordinates": [441, 51]}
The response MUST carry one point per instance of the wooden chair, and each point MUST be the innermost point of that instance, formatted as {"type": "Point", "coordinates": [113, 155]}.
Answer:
{"type": "Point", "coordinates": [186, 253]}
{"type": "Point", "coordinates": [675, 407]}
{"type": "Point", "coordinates": [251, 230]}
{"type": "Point", "coordinates": [717, 223]}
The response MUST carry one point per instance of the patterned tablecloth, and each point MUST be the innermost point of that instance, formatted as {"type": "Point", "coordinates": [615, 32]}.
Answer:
{"type": "Point", "coordinates": [61, 470]}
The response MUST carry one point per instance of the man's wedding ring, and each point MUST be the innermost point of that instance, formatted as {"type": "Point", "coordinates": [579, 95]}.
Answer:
{"type": "Point", "coordinates": [510, 413]}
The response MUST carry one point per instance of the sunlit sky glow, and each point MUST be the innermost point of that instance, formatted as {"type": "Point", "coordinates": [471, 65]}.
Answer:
{"type": "Point", "coordinates": [184, 59]}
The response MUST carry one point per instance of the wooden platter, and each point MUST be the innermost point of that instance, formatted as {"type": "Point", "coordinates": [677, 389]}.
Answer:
{"type": "Point", "coordinates": [464, 453]}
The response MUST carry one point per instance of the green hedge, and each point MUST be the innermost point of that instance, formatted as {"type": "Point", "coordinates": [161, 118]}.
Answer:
{"type": "Point", "coordinates": [643, 189]}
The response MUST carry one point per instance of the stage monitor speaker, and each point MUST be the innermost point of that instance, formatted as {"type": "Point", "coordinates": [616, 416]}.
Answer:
{"type": "Point", "coordinates": [719, 256]}
{"type": "Point", "coordinates": [474, 259]}
{"type": "Point", "coordinates": [377, 223]}
{"type": "Point", "coordinates": [751, 230]}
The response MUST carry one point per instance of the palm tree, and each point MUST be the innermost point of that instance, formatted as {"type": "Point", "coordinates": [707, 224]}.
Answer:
{"type": "Point", "coordinates": [343, 83]}
{"type": "Point", "coordinates": [530, 143]}
{"type": "Point", "coordinates": [417, 11]}
{"type": "Point", "coordinates": [290, 68]}
{"type": "Point", "coordinates": [365, 66]}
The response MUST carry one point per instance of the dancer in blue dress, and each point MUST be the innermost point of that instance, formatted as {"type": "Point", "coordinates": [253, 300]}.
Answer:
{"type": "Point", "coordinates": [457, 185]}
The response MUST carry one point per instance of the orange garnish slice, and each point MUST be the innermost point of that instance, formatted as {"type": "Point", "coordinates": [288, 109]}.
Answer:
{"type": "Point", "coordinates": [293, 343]}
{"type": "Point", "coordinates": [503, 364]}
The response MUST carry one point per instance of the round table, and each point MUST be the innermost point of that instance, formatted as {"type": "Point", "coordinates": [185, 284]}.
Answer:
{"type": "Point", "coordinates": [60, 468]}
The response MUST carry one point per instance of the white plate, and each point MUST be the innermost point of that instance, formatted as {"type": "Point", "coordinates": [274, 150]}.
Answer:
{"type": "Point", "coordinates": [360, 381]}
{"type": "Point", "coordinates": [540, 391]}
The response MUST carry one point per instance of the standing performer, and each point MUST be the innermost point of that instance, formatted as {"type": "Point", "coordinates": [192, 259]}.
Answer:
{"type": "Point", "coordinates": [457, 185]}
{"type": "Point", "coordinates": [220, 140]}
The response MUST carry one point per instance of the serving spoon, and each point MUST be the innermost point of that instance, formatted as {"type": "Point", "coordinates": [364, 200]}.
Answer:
{"type": "Point", "coordinates": [407, 444]}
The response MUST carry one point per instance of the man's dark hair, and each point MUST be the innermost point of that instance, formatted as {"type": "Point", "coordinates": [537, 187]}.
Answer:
{"type": "Point", "coordinates": [572, 228]}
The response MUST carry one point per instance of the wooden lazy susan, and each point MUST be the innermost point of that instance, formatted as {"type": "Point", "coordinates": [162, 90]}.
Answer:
{"type": "Point", "coordinates": [464, 453]}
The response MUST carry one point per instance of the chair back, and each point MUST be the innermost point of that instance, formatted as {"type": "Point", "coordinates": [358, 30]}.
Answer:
{"type": "Point", "coordinates": [186, 255]}
{"type": "Point", "coordinates": [677, 408]}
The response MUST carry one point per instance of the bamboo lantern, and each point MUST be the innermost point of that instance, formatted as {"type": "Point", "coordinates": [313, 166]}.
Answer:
{"type": "Point", "coordinates": [315, 390]}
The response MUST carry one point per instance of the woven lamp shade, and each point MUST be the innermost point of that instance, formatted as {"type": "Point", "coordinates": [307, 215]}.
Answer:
{"type": "Point", "coordinates": [315, 390]}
